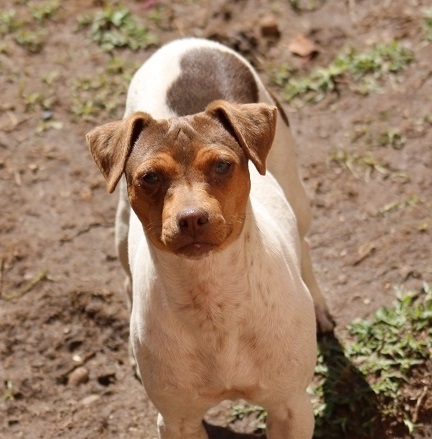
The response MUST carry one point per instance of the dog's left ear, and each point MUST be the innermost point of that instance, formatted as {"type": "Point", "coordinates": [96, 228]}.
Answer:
{"type": "Point", "coordinates": [253, 125]}
{"type": "Point", "coordinates": [111, 144]}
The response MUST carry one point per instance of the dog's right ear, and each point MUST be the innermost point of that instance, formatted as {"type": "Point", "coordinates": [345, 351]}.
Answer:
{"type": "Point", "coordinates": [111, 144]}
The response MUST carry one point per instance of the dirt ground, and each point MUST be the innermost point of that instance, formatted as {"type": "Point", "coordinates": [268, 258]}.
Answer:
{"type": "Point", "coordinates": [371, 230]}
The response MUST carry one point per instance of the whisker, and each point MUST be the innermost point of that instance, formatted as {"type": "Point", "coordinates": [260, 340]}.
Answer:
{"type": "Point", "coordinates": [153, 226]}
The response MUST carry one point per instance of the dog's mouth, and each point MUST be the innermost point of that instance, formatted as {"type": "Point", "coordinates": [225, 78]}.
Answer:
{"type": "Point", "coordinates": [196, 249]}
{"type": "Point", "coordinates": [196, 245]}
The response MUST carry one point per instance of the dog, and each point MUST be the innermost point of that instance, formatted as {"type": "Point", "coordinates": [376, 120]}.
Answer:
{"type": "Point", "coordinates": [224, 301]}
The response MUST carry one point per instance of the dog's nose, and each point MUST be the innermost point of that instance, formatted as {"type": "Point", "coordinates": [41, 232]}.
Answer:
{"type": "Point", "coordinates": [192, 221]}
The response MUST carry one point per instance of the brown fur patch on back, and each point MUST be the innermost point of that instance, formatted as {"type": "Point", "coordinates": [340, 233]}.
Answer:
{"type": "Point", "coordinates": [208, 75]}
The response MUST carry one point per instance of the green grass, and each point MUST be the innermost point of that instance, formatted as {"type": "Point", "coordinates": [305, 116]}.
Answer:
{"type": "Point", "coordinates": [8, 21]}
{"type": "Point", "coordinates": [392, 343]}
{"type": "Point", "coordinates": [93, 95]}
{"type": "Point", "coordinates": [427, 24]}
{"type": "Point", "coordinates": [27, 31]}
{"type": "Point", "coordinates": [102, 92]}
{"type": "Point", "coordinates": [364, 386]}
{"type": "Point", "coordinates": [393, 138]}
{"type": "Point", "coordinates": [361, 165]}
{"type": "Point", "coordinates": [255, 414]}
{"type": "Point", "coordinates": [45, 10]}
{"type": "Point", "coordinates": [9, 391]}
{"type": "Point", "coordinates": [362, 71]}
{"type": "Point", "coordinates": [404, 203]}
{"type": "Point", "coordinates": [36, 101]}
{"type": "Point", "coordinates": [31, 41]}
{"type": "Point", "coordinates": [117, 28]}
{"type": "Point", "coordinates": [305, 5]}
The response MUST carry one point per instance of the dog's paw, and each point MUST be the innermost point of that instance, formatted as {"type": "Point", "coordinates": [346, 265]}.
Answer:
{"type": "Point", "coordinates": [325, 322]}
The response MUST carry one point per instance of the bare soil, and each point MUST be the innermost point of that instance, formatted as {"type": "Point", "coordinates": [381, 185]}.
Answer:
{"type": "Point", "coordinates": [61, 297]}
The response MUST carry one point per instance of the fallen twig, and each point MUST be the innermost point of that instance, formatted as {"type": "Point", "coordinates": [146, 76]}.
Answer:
{"type": "Point", "coordinates": [84, 230]}
{"type": "Point", "coordinates": [419, 403]}
{"type": "Point", "coordinates": [2, 264]}
{"type": "Point", "coordinates": [41, 276]}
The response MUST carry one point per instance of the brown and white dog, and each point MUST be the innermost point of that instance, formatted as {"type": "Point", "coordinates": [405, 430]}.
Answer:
{"type": "Point", "coordinates": [214, 247]}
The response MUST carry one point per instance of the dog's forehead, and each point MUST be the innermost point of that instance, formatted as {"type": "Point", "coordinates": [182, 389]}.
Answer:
{"type": "Point", "coordinates": [182, 138]}
{"type": "Point", "coordinates": [197, 129]}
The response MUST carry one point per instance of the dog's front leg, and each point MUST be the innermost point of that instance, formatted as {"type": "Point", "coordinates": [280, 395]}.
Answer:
{"type": "Point", "coordinates": [291, 421]}
{"type": "Point", "coordinates": [180, 413]}
{"type": "Point", "coordinates": [176, 426]}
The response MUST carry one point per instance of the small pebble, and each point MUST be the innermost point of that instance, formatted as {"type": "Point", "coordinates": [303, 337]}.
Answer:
{"type": "Point", "coordinates": [342, 279]}
{"type": "Point", "coordinates": [77, 358]}
{"type": "Point", "coordinates": [90, 399]}
{"type": "Point", "coordinates": [269, 26]}
{"type": "Point", "coordinates": [47, 115]}
{"type": "Point", "coordinates": [79, 376]}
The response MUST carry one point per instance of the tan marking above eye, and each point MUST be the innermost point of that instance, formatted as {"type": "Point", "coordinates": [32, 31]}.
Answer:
{"type": "Point", "coordinates": [211, 156]}
{"type": "Point", "coordinates": [163, 165]}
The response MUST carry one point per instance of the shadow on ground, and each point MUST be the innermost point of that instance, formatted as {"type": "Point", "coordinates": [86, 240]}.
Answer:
{"type": "Point", "coordinates": [351, 406]}
{"type": "Point", "coordinates": [224, 433]}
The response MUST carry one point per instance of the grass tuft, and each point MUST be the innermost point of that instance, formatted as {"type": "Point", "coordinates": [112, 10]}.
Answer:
{"type": "Point", "coordinates": [103, 92]}
{"type": "Point", "coordinates": [8, 21]}
{"type": "Point", "coordinates": [31, 41]}
{"type": "Point", "coordinates": [305, 5]}
{"type": "Point", "coordinates": [427, 24]}
{"type": "Point", "coordinates": [361, 166]}
{"type": "Point", "coordinates": [368, 378]}
{"type": "Point", "coordinates": [361, 69]}
{"type": "Point", "coordinates": [27, 33]}
{"type": "Point", "coordinates": [116, 28]}
{"type": "Point", "coordinates": [45, 10]}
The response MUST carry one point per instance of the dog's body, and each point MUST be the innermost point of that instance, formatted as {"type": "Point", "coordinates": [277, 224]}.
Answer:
{"type": "Point", "coordinates": [219, 265]}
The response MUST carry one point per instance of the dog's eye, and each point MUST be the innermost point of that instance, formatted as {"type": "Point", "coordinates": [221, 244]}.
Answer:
{"type": "Point", "coordinates": [223, 167]}
{"type": "Point", "coordinates": [150, 178]}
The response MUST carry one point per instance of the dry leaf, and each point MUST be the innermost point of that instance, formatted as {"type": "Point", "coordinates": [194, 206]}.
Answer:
{"type": "Point", "coordinates": [303, 46]}
{"type": "Point", "coordinates": [364, 251]}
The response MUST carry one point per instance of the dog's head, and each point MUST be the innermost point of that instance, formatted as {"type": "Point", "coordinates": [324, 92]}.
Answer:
{"type": "Point", "coordinates": [187, 177]}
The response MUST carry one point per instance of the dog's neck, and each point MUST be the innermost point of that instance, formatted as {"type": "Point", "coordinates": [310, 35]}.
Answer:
{"type": "Point", "coordinates": [218, 277]}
